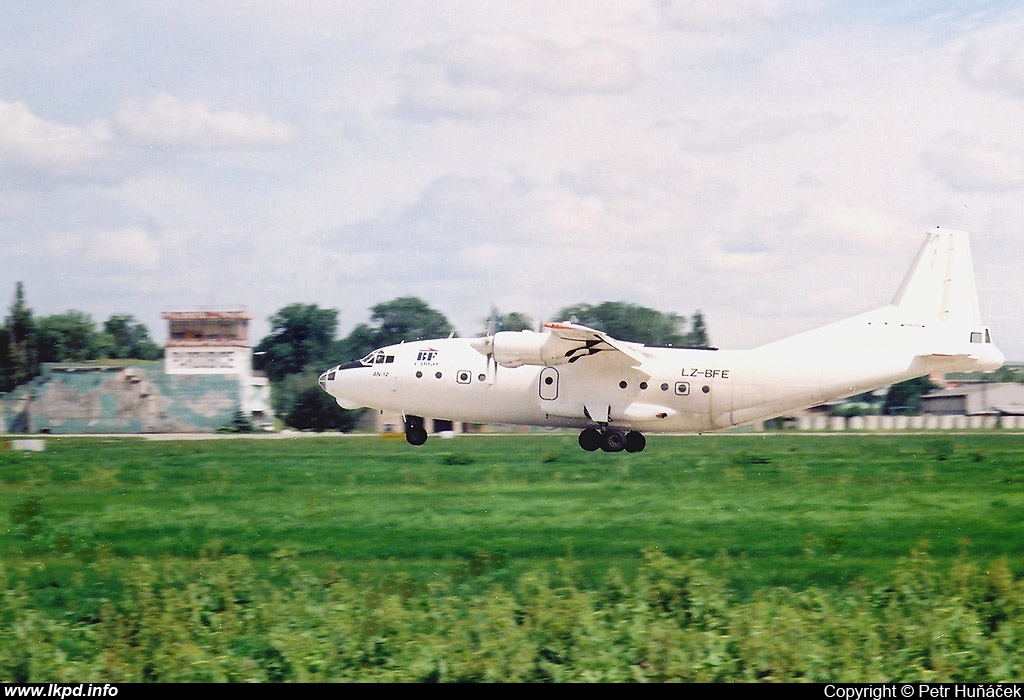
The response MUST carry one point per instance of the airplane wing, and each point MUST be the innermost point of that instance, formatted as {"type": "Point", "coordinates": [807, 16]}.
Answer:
{"type": "Point", "coordinates": [586, 341]}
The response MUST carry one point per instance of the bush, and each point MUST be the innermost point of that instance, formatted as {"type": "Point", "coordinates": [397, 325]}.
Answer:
{"type": "Point", "coordinates": [227, 619]}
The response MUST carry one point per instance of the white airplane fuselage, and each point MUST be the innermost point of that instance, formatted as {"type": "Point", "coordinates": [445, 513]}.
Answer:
{"type": "Point", "coordinates": [575, 377]}
{"type": "Point", "coordinates": [675, 391]}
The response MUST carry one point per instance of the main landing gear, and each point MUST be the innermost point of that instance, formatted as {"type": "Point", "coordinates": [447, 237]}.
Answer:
{"type": "Point", "coordinates": [612, 440]}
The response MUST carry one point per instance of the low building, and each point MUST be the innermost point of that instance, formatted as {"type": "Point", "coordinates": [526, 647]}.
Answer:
{"type": "Point", "coordinates": [204, 383]}
{"type": "Point", "coordinates": [975, 399]}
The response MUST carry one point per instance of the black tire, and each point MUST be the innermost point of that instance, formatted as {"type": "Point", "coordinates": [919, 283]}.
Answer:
{"type": "Point", "coordinates": [590, 440]}
{"type": "Point", "coordinates": [416, 436]}
{"type": "Point", "coordinates": [614, 441]}
{"type": "Point", "coordinates": [635, 442]}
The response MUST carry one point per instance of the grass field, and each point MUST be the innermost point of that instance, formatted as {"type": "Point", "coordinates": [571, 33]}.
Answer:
{"type": "Point", "coordinates": [788, 510]}
{"type": "Point", "coordinates": [757, 512]}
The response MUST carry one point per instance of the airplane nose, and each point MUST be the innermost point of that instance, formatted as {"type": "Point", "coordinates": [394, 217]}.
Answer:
{"type": "Point", "coordinates": [330, 381]}
{"type": "Point", "coordinates": [326, 377]}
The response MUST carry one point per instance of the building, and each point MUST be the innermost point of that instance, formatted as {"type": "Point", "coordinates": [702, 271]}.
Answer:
{"type": "Point", "coordinates": [975, 399]}
{"type": "Point", "coordinates": [217, 343]}
{"type": "Point", "coordinates": [203, 383]}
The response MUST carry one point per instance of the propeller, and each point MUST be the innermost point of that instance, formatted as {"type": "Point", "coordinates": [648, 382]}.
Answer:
{"type": "Point", "coordinates": [485, 346]}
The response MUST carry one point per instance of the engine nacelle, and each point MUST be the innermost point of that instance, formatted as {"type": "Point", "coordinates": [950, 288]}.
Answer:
{"type": "Point", "coordinates": [518, 348]}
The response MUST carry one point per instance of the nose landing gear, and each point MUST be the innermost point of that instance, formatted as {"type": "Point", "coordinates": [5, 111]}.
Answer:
{"type": "Point", "coordinates": [415, 432]}
{"type": "Point", "coordinates": [612, 440]}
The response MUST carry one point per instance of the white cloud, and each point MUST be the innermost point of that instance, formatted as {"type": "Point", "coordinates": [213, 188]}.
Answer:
{"type": "Point", "coordinates": [517, 62]}
{"type": "Point", "coordinates": [484, 75]}
{"type": "Point", "coordinates": [28, 140]}
{"type": "Point", "coordinates": [132, 249]}
{"type": "Point", "coordinates": [733, 132]}
{"type": "Point", "coordinates": [168, 121]}
{"type": "Point", "coordinates": [992, 57]}
{"type": "Point", "coordinates": [968, 163]}
{"type": "Point", "coordinates": [114, 251]}
{"type": "Point", "coordinates": [705, 14]}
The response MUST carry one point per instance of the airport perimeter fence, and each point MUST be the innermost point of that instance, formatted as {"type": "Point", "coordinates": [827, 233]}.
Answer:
{"type": "Point", "coordinates": [886, 423]}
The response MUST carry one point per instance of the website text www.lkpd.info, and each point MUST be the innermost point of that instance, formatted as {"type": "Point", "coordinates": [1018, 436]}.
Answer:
{"type": "Point", "coordinates": [61, 690]}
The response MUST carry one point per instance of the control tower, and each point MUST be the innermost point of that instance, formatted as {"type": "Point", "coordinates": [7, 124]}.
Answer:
{"type": "Point", "coordinates": [217, 342]}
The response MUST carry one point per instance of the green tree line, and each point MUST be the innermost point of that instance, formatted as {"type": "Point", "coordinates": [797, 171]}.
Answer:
{"type": "Point", "coordinates": [72, 336]}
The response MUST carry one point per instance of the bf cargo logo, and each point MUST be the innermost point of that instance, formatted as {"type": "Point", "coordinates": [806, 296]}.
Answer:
{"type": "Point", "coordinates": [426, 356]}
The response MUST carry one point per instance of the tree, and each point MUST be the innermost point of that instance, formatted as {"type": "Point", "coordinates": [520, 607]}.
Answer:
{"type": "Point", "coordinates": [904, 398]}
{"type": "Point", "coordinates": [404, 318]}
{"type": "Point", "coordinates": [303, 405]}
{"type": "Point", "coordinates": [631, 322]}
{"type": "Point", "coordinates": [131, 338]}
{"type": "Point", "coordinates": [407, 318]}
{"type": "Point", "coordinates": [71, 337]}
{"type": "Point", "coordinates": [314, 409]}
{"type": "Point", "coordinates": [698, 337]}
{"type": "Point", "coordinates": [302, 335]}
{"type": "Point", "coordinates": [359, 343]}
{"type": "Point", "coordinates": [19, 359]}
{"type": "Point", "coordinates": [514, 321]}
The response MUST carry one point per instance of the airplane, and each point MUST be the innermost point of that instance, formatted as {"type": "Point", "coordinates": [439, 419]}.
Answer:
{"type": "Point", "coordinates": [613, 391]}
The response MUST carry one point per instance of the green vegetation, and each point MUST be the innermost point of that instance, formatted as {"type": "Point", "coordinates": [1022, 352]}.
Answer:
{"type": "Point", "coordinates": [26, 341]}
{"type": "Point", "coordinates": [639, 324]}
{"type": "Point", "coordinates": [743, 557]}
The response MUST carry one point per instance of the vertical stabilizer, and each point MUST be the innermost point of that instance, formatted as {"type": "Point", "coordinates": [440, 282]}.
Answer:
{"type": "Point", "coordinates": [940, 287]}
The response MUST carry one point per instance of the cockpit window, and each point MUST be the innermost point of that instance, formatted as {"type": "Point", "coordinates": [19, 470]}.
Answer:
{"type": "Point", "coordinates": [377, 357]}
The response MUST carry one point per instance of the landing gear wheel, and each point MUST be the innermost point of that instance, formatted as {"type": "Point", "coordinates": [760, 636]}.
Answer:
{"type": "Point", "coordinates": [416, 436]}
{"type": "Point", "coordinates": [590, 440]}
{"type": "Point", "coordinates": [415, 433]}
{"type": "Point", "coordinates": [614, 441]}
{"type": "Point", "coordinates": [635, 442]}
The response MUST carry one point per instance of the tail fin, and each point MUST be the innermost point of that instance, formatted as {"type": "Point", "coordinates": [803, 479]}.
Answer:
{"type": "Point", "coordinates": [940, 287]}
{"type": "Point", "coordinates": [939, 293]}
{"type": "Point", "coordinates": [933, 315]}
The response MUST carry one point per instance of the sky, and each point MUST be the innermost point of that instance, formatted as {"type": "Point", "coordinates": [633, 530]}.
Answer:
{"type": "Point", "coordinates": [771, 164]}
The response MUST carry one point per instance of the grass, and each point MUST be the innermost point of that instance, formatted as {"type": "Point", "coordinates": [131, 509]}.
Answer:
{"type": "Point", "coordinates": [764, 510]}
{"type": "Point", "coordinates": [719, 558]}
